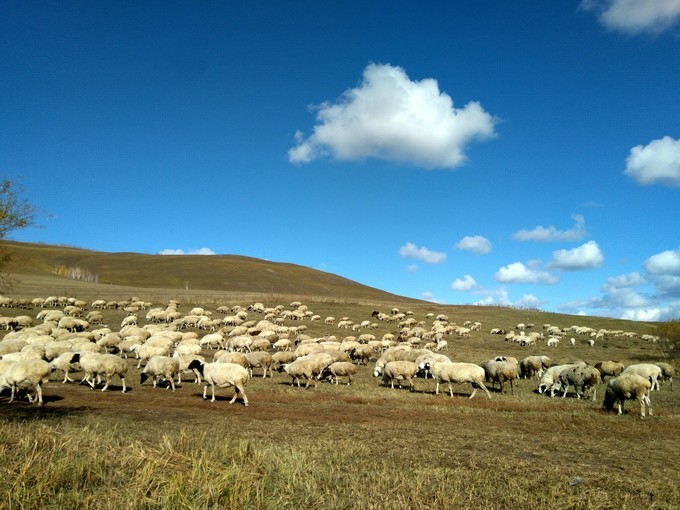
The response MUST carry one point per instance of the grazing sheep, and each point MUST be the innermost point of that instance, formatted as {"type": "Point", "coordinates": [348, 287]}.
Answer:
{"type": "Point", "coordinates": [260, 359]}
{"type": "Point", "coordinates": [148, 350]}
{"type": "Point", "coordinates": [458, 373]}
{"type": "Point", "coordinates": [580, 377]}
{"type": "Point", "coordinates": [222, 375]}
{"type": "Point", "coordinates": [309, 367]}
{"type": "Point", "coordinates": [397, 371]}
{"type": "Point", "coordinates": [184, 361]}
{"type": "Point", "coordinates": [340, 369]}
{"type": "Point", "coordinates": [28, 372]}
{"type": "Point", "coordinates": [667, 372]}
{"type": "Point", "coordinates": [65, 362]}
{"type": "Point", "coordinates": [160, 367]}
{"type": "Point", "coordinates": [231, 357]}
{"type": "Point", "coordinates": [96, 365]}
{"type": "Point", "coordinates": [550, 376]}
{"type": "Point", "coordinates": [628, 386]}
{"type": "Point", "coordinates": [499, 371]}
{"type": "Point", "coordinates": [646, 370]}
{"type": "Point", "coordinates": [609, 368]}
{"type": "Point", "coordinates": [530, 366]}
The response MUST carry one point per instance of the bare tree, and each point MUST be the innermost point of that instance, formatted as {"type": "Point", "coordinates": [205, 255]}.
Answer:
{"type": "Point", "coordinates": [15, 214]}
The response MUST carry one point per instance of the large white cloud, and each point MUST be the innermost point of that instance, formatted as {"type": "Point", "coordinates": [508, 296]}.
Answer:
{"type": "Point", "coordinates": [656, 163]}
{"type": "Point", "coordinates": [199, 251]}
{"type": "Point", "coordinates": [390, 117]}
{"type": "Point", "coordinates": [519, 273]}
{"type": "Point", "coordinates": [551, 234]}
{"type": "Point", "coordinates": [466, 283]}
{"type": "Point", "coordinates": [411, 251]}
{"type": "Point", "coordinates": [476, 244]}
{"type": "Point", "coordinates": [663, 269]}
{"type": "Point", "coordinates": [586, 256]}
{"type": "Point", "coordinates": [635, 16]}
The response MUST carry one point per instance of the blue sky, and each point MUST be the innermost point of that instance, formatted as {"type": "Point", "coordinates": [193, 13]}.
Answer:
{"type": "Point", "coordinates": [515, 153]}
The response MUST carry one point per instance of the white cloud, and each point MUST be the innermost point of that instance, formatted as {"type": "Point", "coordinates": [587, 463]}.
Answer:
{"type": "Point", "coordinates": [528, 301]}
{"type": "Point", "coordinates": [551, 234]}
{"type": "Point", "coordinates": [476, 244]}
{"type": "Point", "coordinates": [390, 117]}
{"type": "Point", "coordinates": [663, 269]}
{"type": "Point", "coordinates": [429, 296]}
{"type": "Point", "coordinates": [411, 251]}
{"type": "Point", "coordinates": [200, 251]}
{"type": "Point", "coordinates": [412, 268]}
{"type": "Point", "coordinates": [635, 16]}
{"type": "Point", "coordinates": [646, 315]}
{"type": "Point", "coordinates": [519, 273]}
{"type": "Point", "coordinates": [656, 163]}
{"type": "Point", "coordinates": [586, 256]}
{"type": "Point", "coordinates": [467, 283]}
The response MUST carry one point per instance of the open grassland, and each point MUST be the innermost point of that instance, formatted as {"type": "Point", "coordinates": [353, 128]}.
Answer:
{"type": "Point", "coordinates": [358, 446]}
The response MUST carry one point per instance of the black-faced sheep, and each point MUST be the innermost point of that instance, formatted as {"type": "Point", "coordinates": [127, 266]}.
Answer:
{"type": "Point", "coordinates": [222, 375]}
{"type": "Point", "coordinates": [629, 386]}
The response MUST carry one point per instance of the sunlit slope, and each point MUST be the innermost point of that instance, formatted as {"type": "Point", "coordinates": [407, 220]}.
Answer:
{"type": "Point", "coordinates": [228, 273]}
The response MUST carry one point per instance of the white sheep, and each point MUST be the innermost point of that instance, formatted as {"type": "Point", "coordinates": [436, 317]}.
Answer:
{"type": "Point", "coordinates": [96, 365]}
{"type": "Point", "coordinates": [340, 369]}
{"type": "Point", "coordinates": [500, 370]}
{"type": "Point", "coordinates": [65, 362]}
{"type": "Point", "coordinates": [609, 368]}
{"type": "Point", "coordinates": [397, 371]}
{"type": "Point", "coordinates": [147, 350]}
{"type": "Point", "coordinates": [22, 373]}
{"type": "Point", "coordinates": [309, 367]}
{"type": "Point", "coordinates": [184, 362]}
{"type": "Point", "coordinates": [550, 376]}
{"type": "Point", "coordinates": [260, 359]}
{"type": "Point", "coordinates": [222, 375]}
{"type": "Point", "coordinates": [160, 367]}
{"type": "Point", "coordinates": [667, 372]}
{"type": "Point", "coordinates": [458, 373]}
{"type": "Point", "coordinates": [628, 386]}
{"type": "Point", "coordinates": [646, 370]}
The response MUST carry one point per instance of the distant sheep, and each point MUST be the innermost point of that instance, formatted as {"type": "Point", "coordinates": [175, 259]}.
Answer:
{"type": "Point", "coordinates": [629, 386]}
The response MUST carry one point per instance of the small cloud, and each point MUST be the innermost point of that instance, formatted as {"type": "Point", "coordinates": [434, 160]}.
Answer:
{"type": "Point", "coordinates": [586, 256]}
{"type": "Point", "coordinates": [467, 283]}
{"type": "Point", "coordinates": [429, 296]}
{"type": "Point", "coordinates": [389, 116]}
{"type": "Point", "coordinates": [519, 273]}
{"type": "Point", "coordinates": [656, 163]}
{"type": "Point", "coordinates": [635, 16]}
{"type": "Point", "coordinates": [412, 268]}
{"type": "Point", "coordinates": [411, 251]}
{"type": "Point", "coordinates": [199, 251]}
{"type": "Point", "coordinates": [551, 234]}
{"type": "Point", "coordinates": [646, 315]}
{"type": "Point", "coordinates": [476, 244]}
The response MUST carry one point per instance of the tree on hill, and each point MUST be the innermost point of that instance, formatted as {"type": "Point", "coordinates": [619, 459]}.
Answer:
{"type": "Point", "coordinates": [15, 214]}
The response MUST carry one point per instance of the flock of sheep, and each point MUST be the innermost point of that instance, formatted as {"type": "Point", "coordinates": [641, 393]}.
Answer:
{"type": "Point", "coordinates": [64, 337]}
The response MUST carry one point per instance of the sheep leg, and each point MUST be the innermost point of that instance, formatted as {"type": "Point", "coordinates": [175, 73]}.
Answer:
{"type": "Point", "coordinates": [212, 387]}
{"type": "Point", "coordinates": [122, 380]}
{"type": "Point", "coordinates": [450, 389]}
{"type": "Point", "coordinates": [172, 383]}
{"type": "Point", "coordinates": [38, 390]}
{"type": "Point", "coordinates": [205, 391]}
{"type": "Point", "coordinates": [106, 385]}
{"type": "Point", "coordinates": [474, 391]}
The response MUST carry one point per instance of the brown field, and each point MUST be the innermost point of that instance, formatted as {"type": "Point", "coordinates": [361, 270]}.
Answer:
{"type": "Point", "coordinates": [359, 446]}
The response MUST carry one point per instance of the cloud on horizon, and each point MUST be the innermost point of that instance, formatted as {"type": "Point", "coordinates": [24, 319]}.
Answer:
{"type": "Point", "coordinates": [656, 163]}
{"type": "Point", "coordinates": [199, 251]}
{"type": "Point", "coordinates": [635, 16]}
{"type": "Point", "coordinates": [551, 234]}
{"type": "Point", "coordinates": [390, 117]}
{"type": "Point", "coordinates": [466, 283]}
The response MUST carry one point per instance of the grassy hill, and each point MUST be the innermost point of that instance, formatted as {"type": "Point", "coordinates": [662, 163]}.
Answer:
{"type": "Point", "coordinates": [52, 264]}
